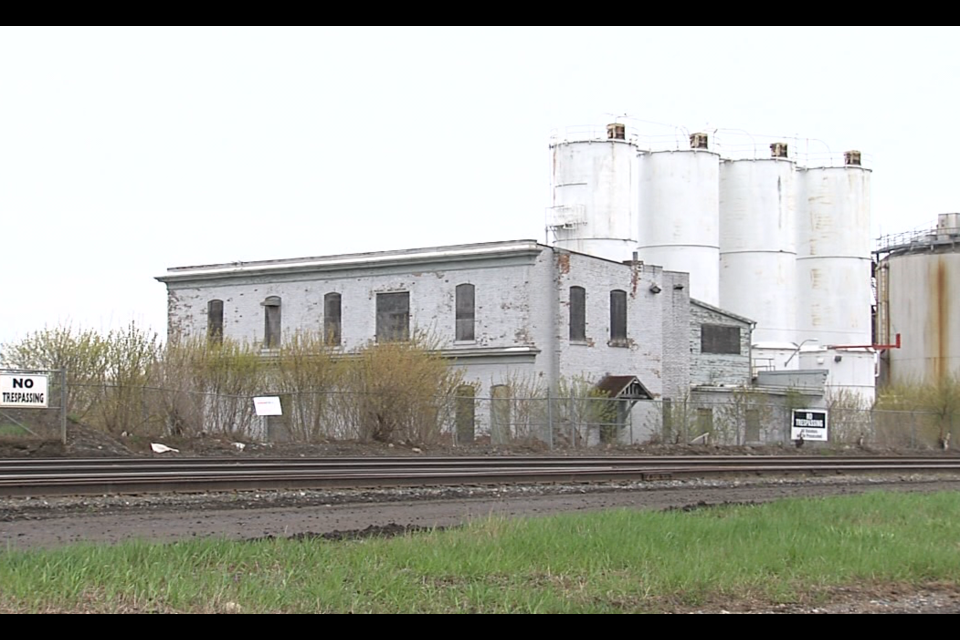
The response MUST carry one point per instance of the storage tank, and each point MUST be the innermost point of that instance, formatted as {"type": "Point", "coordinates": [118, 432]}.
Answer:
{"type": "Point", "coordinates": [834, 294]}
{"type": "Point", "coordinates": [758, 244]}
{"type": "Point", "coordinates": [922, 301]}
{"type": "Point", "coordinates": [594, 199]}
{"type": "Point", "coordinates": [680, 214]}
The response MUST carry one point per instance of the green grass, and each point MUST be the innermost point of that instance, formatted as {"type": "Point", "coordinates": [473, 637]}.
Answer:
{"type": "Point", "coordinates": [13, 430]}
{"type": "Point", "coordinates": [611, 562]}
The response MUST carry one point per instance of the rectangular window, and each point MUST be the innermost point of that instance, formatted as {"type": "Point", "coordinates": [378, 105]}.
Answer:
{"type": "Point", "coordinates": [578, 314]}
{"type": "Point", "coordinates": [271, 322]}
{"type": "Point", "coordinates": [215, 321]}
{"type": "Point", "coordinates": [393, 316]}
{"type": "Point", "coordinates": [717, 338]}
{"type": "Point", "coordinates": [331, 319]}
{"type": "Point", "coordinates": [618, 318]}
{"type": "Point", "coordinates": [465, 417]}
{"type": "Point", "coordinates": [466, 311]}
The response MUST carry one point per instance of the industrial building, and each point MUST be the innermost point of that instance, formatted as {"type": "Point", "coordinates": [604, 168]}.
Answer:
{"type": "Point", "coordinates": [762, 237]}
{"type": "Point", "coordinates": [670, 273]}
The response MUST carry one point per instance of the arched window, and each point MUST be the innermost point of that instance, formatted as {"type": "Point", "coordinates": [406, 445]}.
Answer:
{"type": "Point", "coordinates": [331, 319]}
{"type": "Point", "coordinates": [500, 414]}
{"type": "Point", "coordinates": [466, 414]}
{"type": "Point", "coordinates": [271, 322]}
{"type": "Point", "coordinates": [466, 311]}
{"type": "Point", "coordinates": [215, 321]}
{"type": "Point", "coordinates": [578, 314]}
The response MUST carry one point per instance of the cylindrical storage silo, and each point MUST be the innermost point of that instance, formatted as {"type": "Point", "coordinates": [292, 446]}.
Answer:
{"type": "Point", "coordinates": [834, 294]}
{"type": "Point", "coordinates": [594, 207]}
{"type": "Point", "coordinates": [924, 308]}
{"type": "Point", "coordinates": [758, 246]}
{"type": "Point", "coordinates": [680, 216]}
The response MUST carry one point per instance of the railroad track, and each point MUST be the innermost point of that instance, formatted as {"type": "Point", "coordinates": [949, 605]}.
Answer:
{"type": "Point", "coordinates": [99, 476]}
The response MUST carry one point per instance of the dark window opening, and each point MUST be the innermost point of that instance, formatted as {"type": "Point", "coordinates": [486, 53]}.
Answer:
{"type": "Point", "coordinates": [271, 322]}
{"type": "Point", "coordinates": [466, 414]}
{"type": "Point", "coordinates": [466, 311]}
{"type": "Point", "coordinates": [618, 318]}
{"type": "Point", "coordinates": [215, 321]}
{"type": "Point", "coordinates": [331, 319]}
{"type": "Point", "coordinates": [393, 316]}
{"type": "Point", "coordinates": [716, 338]}
{"type": "Point", "coordinates": [578, 314]}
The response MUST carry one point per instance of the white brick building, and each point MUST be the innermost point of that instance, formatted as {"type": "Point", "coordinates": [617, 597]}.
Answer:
{"type": "Point", "coordinates": [503, 311]}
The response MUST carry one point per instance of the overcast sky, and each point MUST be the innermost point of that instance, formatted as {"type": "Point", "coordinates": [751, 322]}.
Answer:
{"type": "Point", "coordinates": [126, 151]}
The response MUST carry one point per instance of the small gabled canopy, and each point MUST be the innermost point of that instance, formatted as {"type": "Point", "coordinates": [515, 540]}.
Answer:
{"type": "Point", "coordinates": [624, 388]}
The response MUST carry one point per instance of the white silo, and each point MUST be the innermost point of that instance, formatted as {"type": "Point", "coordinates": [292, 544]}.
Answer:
{"type": "Point", "coordinates": [680, 214]}
{"type": "Point", "coordinates": [594, 201]}
{"type": "Point", "coordinates": [921, 299]}
{"type": "Point", "coordinates": [758, 251]}
{"type": "Point", "coordinates": [834, 293]}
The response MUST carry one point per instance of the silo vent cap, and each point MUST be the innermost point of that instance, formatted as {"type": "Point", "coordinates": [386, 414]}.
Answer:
{"type": "Point", "coordinates": [616, 131]}
{"type": "Point", "coordinates": [778, 150]}
{"type": "Point", "coordinates": [699, 140]}
{"type": "Point", "coordinates": [851, 158]}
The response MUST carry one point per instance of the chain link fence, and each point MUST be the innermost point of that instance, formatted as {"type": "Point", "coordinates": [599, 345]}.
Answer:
{"type": "Point", "coordinates": [458, 420]}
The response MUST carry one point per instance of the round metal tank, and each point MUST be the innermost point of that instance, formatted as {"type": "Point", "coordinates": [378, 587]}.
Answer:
{"type": "Point", "coordinates": [594, 202]}
{"type": "Point", "coordinates": [834, 294]}
{"type": "Point", "coordinates": [924, 307]}
{"type": "Point", "coordinates": [680, 216]}
{"type": "Point", "coordinates": [758, 245]}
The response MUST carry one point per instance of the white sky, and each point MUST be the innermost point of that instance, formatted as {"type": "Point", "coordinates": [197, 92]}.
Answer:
{"type": "Point", "coordinates": [126, 151]}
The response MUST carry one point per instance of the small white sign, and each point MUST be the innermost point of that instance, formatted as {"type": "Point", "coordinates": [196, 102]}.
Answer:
{"type": "Point", "coordinates": [809, 423]}
{"type": "Point", "coordinates": [268, 406]}
{"type": "Point", "coordinates": [23, 391]}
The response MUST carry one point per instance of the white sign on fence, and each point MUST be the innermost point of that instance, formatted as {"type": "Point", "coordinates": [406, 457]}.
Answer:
{"type": "Point", "coordinates": [268, 406]}
{"type": "Point", "coordinates": [809, 423]}
{"type": "Point", "coordinates": [23, 391]}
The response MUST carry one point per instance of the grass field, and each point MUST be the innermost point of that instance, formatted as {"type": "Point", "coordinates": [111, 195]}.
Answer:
{"type": "Point", "coordinates": [619, 561]}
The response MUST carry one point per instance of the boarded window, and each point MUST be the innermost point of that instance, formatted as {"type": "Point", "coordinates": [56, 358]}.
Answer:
{"type": "Point", "coordinates": [578, 314]}
{"type": "Point", "coordinates": [717, 338]}
{"type": "Point", "coordinates": [753, 425]}
{"type": "Point", "coordinates": [393, 316]}
{"type": "Point", "coordinates": [466, 414]}
{"type": "Point", "coordinates": [618, 318]}
{"type": "Point", "coordinates": [331, 319]}
{"type": "Point", "coordinates": [271, 322]}
{"type": "Point", "coordinates": [215, 321]}
{"type": "Point", "coordinates": [466, 310]}
{"type": "Point", "coordinates": [704, 421]}
{"type": "Point", "coordinates": [500, 414]}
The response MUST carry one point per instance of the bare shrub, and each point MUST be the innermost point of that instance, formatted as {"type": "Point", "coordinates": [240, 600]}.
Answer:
{"type": "Point", "coordinates": [398, 392]}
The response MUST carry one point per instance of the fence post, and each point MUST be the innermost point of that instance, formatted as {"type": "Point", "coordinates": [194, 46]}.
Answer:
{"type": "Point", "coordinates": [63, 406]}
{"type": "Point", "coordinates": [549, 420]}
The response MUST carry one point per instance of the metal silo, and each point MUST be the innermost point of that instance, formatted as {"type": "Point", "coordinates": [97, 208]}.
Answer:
{"type": "Point", "coordinates": [834, 273]}
{"type": "Point", "coordinates": [758, 245]}
{"type": "Point", "coordinates": [594, 202]}
{"type": "Point", "coordinates": [919, 298]}
{"type": "Point", "coordinates": [834, 294]}
{"type": "Point", "coordinates": [680, 214]}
